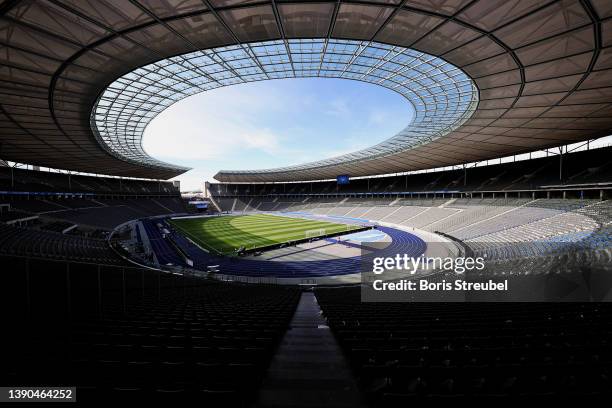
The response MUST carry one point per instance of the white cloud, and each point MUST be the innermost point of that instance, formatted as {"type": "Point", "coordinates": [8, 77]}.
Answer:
{"type": "Point", "coordinates": [262, 139]}
{"type": "Point", "coordinates": [338, 107]}
{"type": "Point", "coordinates": [378, 117]}
{"type": "Point", "coordinates": [205, 138]}
{"type": "Point", "coordinates": [208, 128]}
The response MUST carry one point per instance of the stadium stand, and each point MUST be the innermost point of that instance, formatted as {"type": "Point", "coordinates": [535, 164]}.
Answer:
{"type": "Point", "coordinates": [586, 169]}
{"type": "Point", "coordinates": [50, 211]}
{"type": "Point", "coordinates": [519, 212]}
{"type": "Point", "coordinates": [22, 180]}
{"type": "Point", "coordinates": [138, 334]}
{"type": "Point", "coordinates": [58, 226]}
{"type": "Point", "coordinates": [55, 245]}
{"type": "Point", "coordinates": [12, 217]}
{"type": "Point", "coordinates": [102, 212]}
{"type": "Point", "coordinates": [403, 351]}
{"type": "Point", "coordinates": [501, 228]}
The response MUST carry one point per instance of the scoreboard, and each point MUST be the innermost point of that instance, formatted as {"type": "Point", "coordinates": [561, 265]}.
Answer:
{"type": "Point", "coordinates": [343, 179]}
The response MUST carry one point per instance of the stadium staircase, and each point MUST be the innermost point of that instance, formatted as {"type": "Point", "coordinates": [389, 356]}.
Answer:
{"type": "Point", "coordinates": [214, 203]}
{"type": "Point", "coordinates": [449, 202]}
{"type": "Point", "coordinates": [170, 211]}
{"type": "Point", "coordinates": [494, 216]}
{"type": "Point", "coordinates": [309, 368]}
{"type": "Point", "coordinates": [247, 207]}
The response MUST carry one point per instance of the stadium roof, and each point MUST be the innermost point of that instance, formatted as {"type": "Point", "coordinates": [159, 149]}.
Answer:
{"type": "Point", "coordinates": [540, 74]}
{"type": "Point", "coordinates": [443, 96]}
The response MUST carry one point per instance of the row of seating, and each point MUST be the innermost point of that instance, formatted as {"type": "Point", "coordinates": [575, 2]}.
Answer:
{"type": "Point", "coordinates": [100, 213]}
{"type": "Point", "coordinates": [57, 226]}
{"type": "Point", "coordinates": [401, 351]}
{"type": "Point", "coordinates": [592, 166]}
{"type": "Point", "coordinates": [7, 216]}
{"type": "Point", "coordinates": [55, 245]}
{"type": "Point", "coordinates": [15, 179]}
{"type": "Point", "coordinates": [500, 228]}
{"type": "Point", "coordinates": [139, 334]}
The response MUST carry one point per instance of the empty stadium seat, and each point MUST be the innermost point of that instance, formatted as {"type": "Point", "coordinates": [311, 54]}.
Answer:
{"type": "Point", "coordinates": [140, 334]}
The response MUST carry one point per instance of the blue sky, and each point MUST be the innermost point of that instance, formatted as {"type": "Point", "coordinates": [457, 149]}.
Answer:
{"type": "Point", "coordinates": [273, 123]}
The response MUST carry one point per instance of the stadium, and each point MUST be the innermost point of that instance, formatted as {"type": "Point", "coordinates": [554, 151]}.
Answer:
{"type": "Point", "coordinates": [467, 256]}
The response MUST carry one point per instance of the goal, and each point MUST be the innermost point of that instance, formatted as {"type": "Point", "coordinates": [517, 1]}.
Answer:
{"type": "Point", "coordinates": [317, 232]}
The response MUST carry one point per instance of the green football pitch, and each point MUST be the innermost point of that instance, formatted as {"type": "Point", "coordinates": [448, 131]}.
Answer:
{"type": "Point", "coordinates": [225, 234]}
